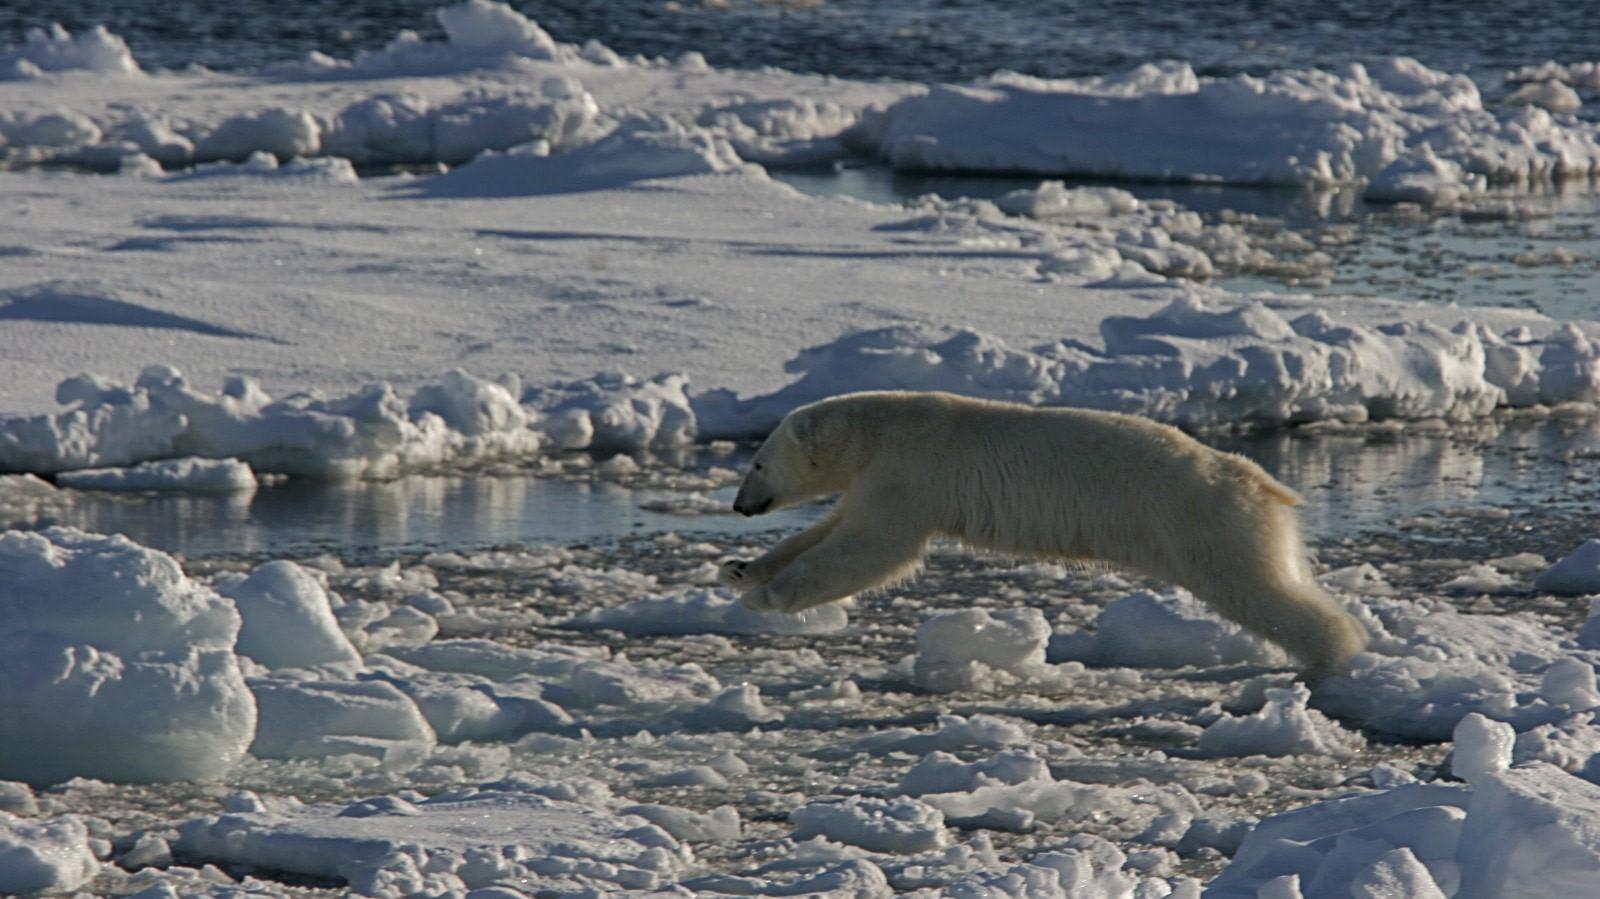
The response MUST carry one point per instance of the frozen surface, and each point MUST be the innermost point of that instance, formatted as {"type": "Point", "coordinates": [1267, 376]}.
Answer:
{"type": "Point", "coordinates": [491, 252]}
{"type": "Point", "coordinates": [459, 841]}
{"type": "Point", "coordinates": [1402, 129]}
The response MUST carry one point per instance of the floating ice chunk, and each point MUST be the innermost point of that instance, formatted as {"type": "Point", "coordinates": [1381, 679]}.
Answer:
{"type": "Point", "coordinates": [287, 619]}
{"type": "Point", "coordinates": [1530, 831]}
{"type": "Point", "coordinates": [1552, 95]}
{"type": "Point", "coordinates": [705, 611]}
{"type": "Point", "coordinates": [795, 131]}
{"type": "Point", "coordinates": [1330, 845]}
{"type": "Point", "coordinates": [55, 50]}
{"type": "Point", "coordinates": [486, 27]}
{"type": "Point", "coordinates": [25, 499]}
{"type": "Point", "coordinates": [308, 716]}
{"type": "Point", "coordinates": [1167, 630]}
{"type": "Point", "coordinates": [53, 129]}
{"type": "Point", "coordinates": [462, 707]}
{"type": "Point", "coordinates": [1577, 574]}
{"type": "Point", "coordinates": [1397, 873]}
{"type": "Point", "coordinates": [50, 856]}
{"type": "Point", "coordinates": [1430, 665]}
{"type": "Point", "coordinates": [1054, 200]}
{"type": "Point", "coordinates": [1570, 683]}
{"type": "Point", "coordinates": [284, 133]}
{"type": "Point", "coordinates": [954, 732]}
{"type": "Point", "coordinates": [1309, 127]}
{"type": "Point", "coordinates": [686, 825]}
{"type": "Point", "coordinates": [1283, 726]}
{"type": "Point", "coordinates": [1482, 747]}
{"type": "Point", "coordinates": [115, 664]}
{"type": "Point", "coordinates": [941, 772]}
{"type": "Point", "coordinates": [458, 841]}
{"type": "Point", "coordinates": [619, 412]}
{"type": "Point", "coordinates": [976, 649]}
{"type": "Point", "coordinates": [881, 825]}
{"type": "Point", "coordinates": [188, 475]}
{"type": "Point", "coordinates": [572, 678]}
{"type": "Point", "coordinates": [1422, 177]}
{"type": "Point", "coordinates": [1089, 868]}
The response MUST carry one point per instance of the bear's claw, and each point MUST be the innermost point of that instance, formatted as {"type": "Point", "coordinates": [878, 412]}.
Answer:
{"type": "Point", "coordinates": [731, 574]}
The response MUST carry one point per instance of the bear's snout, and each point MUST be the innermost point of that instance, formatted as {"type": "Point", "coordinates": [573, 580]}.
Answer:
{"type": "Point", "coordinates": [747, 508]}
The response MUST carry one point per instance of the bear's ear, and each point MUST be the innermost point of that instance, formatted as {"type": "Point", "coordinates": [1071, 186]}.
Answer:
{"type": "Point", "coordinates": [802, 427]}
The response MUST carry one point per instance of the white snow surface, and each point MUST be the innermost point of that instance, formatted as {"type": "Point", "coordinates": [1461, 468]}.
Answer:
{"type": "Point", "coordinates": [605, 266]}
{"type": "Point", "coordinates": [326, 324]}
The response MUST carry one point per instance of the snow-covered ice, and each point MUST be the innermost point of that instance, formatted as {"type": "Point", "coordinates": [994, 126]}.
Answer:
{"type": "Point", "coordinates": [498, 250]}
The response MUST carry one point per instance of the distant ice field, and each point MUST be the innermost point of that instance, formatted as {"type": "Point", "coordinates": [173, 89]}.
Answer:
{"type": "Point", "coordinates": [922, 40]}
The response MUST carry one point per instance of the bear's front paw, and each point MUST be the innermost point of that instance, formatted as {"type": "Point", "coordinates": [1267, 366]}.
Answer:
{"type": "Point", "coordinates": [732, 574]}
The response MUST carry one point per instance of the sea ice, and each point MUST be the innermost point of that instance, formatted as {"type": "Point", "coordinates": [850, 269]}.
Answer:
{"type": "Point", "coordinates": [190, 475]}
{"type": "Point", "coordinates": [457, 841]}
{"type": "Point", "coordinates": [116, 665]}
{"type": "Point", "coordinates": [1576, 574]}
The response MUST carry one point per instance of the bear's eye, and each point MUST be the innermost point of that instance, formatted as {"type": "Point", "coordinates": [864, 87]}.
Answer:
{"type": "Point", "coordinates": [758, 466]}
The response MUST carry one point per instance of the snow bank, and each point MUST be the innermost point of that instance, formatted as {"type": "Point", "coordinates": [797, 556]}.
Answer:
{"type": "Point", "coordinates": [1527, 830]}
{"type": "Point", "coordinates": [1303, 127]}
{"type": "Point", "coordinates": [371, 433]}
{"type": "Point", "coordinates": [188, 475]}
{"type": "Point", "coordinates": [1200, 364]}
{"type": "Point", "coordinates": [460, 840]}
{"type": "Point", "coordinates": [637, 149]}
{"type": "Point", "coordinates": [115, 664]}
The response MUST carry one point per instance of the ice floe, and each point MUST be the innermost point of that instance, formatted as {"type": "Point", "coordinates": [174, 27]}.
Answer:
{"type": "Point", "coordinates": [1306, 127]}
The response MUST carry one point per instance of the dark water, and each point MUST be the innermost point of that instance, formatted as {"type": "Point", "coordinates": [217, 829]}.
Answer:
{"type": "Point", "coordinates": [1352, 482]}
{"type": "Point", "coordinates": [923, 40]}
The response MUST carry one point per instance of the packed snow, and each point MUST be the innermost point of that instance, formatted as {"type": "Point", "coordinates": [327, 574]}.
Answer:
{"type": "Point", "coordinates": [503, 250]}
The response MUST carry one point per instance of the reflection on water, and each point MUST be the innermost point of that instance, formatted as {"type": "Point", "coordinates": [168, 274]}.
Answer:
{"type": "Point", "coordinates": [411, 513]}
{"type": "Point", "coordinates": [1353, 481]}
{"type": "Point", "coordinates": [1367, 479]}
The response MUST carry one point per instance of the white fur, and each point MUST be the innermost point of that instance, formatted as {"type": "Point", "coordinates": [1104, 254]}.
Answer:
{"type": "Point", "coordinates": [1066, 484]}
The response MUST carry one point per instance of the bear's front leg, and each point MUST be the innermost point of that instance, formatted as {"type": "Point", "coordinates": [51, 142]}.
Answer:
{"type": "Point", "coordinates": [742, 575]}
{"type": "Point", "coordinates": [849, 561]}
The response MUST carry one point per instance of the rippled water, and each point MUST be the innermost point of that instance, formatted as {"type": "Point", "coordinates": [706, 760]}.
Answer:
{"type": "Point", "coordinates": [1362, 480]}
{"type": "Point", "coordinates": [924, 40]}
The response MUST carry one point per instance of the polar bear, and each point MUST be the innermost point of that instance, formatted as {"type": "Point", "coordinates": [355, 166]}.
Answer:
{"type": "Point", "coordinates": [1064, 484]}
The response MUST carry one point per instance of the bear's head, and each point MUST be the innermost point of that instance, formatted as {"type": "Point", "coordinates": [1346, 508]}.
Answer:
{"type": "Point", "coordinates": [804, 459]}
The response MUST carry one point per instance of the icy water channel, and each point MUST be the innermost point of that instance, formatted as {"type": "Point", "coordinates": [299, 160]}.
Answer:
{"type": "Point", "coordinates": [1538, 250]}
{"type": "Point", "coordinates": [1354, 481]}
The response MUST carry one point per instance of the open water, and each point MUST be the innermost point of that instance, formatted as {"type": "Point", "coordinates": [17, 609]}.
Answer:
{"type": "Point", "coordinates": [922, 40]}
